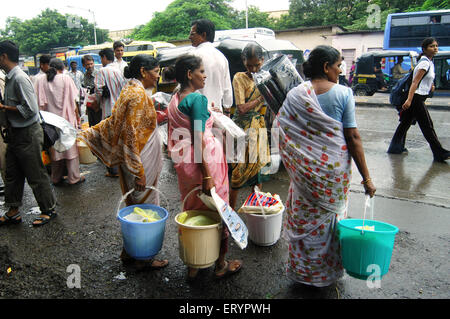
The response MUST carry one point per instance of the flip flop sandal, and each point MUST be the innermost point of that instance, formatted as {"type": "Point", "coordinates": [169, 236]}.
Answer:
{"type": "Point", "coordinates": [16, 219]}
{"type": "Point", "coordinates": [226, 270]}
{"type": "Point", "coordinates": [44, 220]}
{"type": "Point", "coordinates": [81, 180]}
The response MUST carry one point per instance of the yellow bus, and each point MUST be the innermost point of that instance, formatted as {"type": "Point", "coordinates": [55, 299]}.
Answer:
{"type": "Point", "coordinates": [95, 48]}
{"type": "Point", "coordinates": [130, 48]}
{"type": "Point", "coordinates": [143, 47]}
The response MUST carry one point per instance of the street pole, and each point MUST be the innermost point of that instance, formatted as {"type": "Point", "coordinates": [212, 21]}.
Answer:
{"type": "Point", "coordinates": [93, 15]}
{"type": "Point", "coordinates": [95, 31]}
{"type": "Point", "coordinates": [246, 15]}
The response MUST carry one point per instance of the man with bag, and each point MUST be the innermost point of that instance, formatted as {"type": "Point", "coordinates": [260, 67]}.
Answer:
{"type": "Point", "coordinates": [23, 133]}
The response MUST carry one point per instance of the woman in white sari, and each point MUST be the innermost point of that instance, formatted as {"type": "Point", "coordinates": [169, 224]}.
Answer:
{"type": "Point", "coordinates": [129, 138]}
{"type": "Point", "coordinates": [318, 139]}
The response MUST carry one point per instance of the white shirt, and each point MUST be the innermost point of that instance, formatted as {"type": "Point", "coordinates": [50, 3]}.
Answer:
{"type": "Point", "coordinates": [120, 65]}
{"type": "Point", "coordinates": [77, 78]}
{"type": "Point", "coordinates": [427, 81]}
{"type": "Point", "coordinates": [218, 89]}
{"type": "Point", "coordinates": [343, 68]}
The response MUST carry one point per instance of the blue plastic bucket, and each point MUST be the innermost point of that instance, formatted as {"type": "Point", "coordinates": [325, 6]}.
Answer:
{"type": "Point", "coordinates": [142, 241]}
{"type": "Point", "coordinates": [366, 253]}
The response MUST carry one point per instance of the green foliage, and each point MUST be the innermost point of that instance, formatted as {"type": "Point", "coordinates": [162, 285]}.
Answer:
{"type": "Point", "coordinates": [175, 22]}
{"type": "Point", "coordinates": [351, 14]}
{"type": "Point", "coordinates": [50, 29]}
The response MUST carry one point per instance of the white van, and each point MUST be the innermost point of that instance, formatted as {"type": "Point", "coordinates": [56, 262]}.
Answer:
{"type": "Point", "coordinates": [245, 34]}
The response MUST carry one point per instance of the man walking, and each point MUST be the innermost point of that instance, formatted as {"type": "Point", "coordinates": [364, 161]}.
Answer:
{"type": "Point", "coordinates": [218, 89]}
{"type": "Point", "coordinates": [108, 85]}
{"type": "Point", "coordinates": [24, 137]}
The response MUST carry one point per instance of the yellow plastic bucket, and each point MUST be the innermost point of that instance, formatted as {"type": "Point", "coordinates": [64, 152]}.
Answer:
{"type": "Point", "coordinates": [86, 156]}
{"type": "Point", "coordinates": [199, 246]}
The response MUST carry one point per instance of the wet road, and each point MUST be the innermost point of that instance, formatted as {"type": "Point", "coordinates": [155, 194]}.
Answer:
{"type": "Point", "coordinates": [413, 194]}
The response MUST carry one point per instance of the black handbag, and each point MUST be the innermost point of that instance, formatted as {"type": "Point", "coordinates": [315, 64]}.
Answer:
{"type": "Point", "coordinates": [50, 133]}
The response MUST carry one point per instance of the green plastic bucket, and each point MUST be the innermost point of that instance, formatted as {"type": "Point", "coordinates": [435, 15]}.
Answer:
{"type": "Point", "coordinates": [365, 252]}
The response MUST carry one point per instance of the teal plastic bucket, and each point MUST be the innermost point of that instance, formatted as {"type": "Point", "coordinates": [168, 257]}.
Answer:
{"type": "Point", "coordinates": [142, 241]}
{"type": "Point", "coordinates": [363, 251]}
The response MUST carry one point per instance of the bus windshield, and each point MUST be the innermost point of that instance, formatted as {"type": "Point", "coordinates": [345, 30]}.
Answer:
{"type": "Point", "coordinates": [406, 31]}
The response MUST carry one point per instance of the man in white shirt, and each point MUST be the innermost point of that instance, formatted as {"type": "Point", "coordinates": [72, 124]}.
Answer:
{"type": "Point", "coordinates": [118, 48]}
{"type": "Point", "coordinates": [343, 75]}
{"type": "Point", "coordinates": [218, 89]}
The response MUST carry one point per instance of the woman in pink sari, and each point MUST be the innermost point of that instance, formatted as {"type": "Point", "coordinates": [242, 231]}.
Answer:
{"type": "Point", "coordinates": [56, 93]}
{"type": "Point", "coordinates": [318, 140]}
{"type": "Point", "coordinates": [198, 156]}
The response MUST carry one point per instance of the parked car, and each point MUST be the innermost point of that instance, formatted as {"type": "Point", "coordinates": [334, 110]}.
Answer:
{"type": "Point", "coordinates": [442, 69]}
{"type": "Point", "coordinates": [365, 82]}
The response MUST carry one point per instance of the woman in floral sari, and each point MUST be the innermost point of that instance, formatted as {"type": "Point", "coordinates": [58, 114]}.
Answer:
{"type": "Point", "coordinates": [198, 156]}
{"type": "Point", "coordinates": [249, 103]}
{"type": "Point", "coordinates": [318, 139]}
{"type": "Point", "coordinates": [129, 138]}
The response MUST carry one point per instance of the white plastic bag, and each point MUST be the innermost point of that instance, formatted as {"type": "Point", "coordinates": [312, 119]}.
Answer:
{"type": "Point", "coordinates": [67, 133]}
{"type": "Point", "coordinates": [236, 226]}
{"type": "Point", "coordinates": [225, 123]}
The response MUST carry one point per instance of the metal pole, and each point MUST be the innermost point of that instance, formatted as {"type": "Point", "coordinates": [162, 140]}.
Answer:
{"type": "Point", "coordinates": [246, 15]}
{"type": "Point", "coordinates": [95, 31]}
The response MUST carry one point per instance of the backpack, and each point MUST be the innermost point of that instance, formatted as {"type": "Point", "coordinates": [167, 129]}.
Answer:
{"type": "Point", "coordinates": [399, 93]}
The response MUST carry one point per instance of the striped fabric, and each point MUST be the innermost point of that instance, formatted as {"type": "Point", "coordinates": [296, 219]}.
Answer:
{"type": "Point", "coordinates": [114, 80]}
{"type": "Point", "coordinates": [256, 198]}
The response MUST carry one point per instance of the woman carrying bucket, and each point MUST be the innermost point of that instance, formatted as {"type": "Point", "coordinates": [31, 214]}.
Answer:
{"type": "Point", "coordinates": [318, 139]}
{"type": "Point", "coordinates": [249, 103]}
{"type": "Point", "coordinates": [129, 139]}
{"type": "Point", "coordinates": [198, 156]}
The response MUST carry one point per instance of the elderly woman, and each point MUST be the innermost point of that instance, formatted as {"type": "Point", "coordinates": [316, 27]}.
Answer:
{"type": "Point", "coordinates": [199, 157]}
{"type": "Point", "coordinates": [318, 139]}
{"type": "Point", "coordinates": [57, 93]}
{"type": "Point", "coordinates": [129, 139]}
{"type": "Point", "coordinates": [249, 103]}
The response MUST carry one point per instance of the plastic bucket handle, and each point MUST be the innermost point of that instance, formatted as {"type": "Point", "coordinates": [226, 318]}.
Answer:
{"type": "Point", "coordinates": [369, 202]}
{"type": "Point", "coordinates": [131, 191]}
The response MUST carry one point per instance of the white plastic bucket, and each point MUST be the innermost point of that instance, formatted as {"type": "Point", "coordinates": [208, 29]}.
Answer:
{"type": "Point", "coordinates": [264, 230]}
{"type": "Point", "coordinates": [199, 246]}
{"type": "Point", "coordinates": [86, 156]}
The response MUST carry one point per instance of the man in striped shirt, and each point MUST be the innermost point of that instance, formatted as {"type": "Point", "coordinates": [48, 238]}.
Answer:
{"type": "Point", "coordinates": [108, 83]}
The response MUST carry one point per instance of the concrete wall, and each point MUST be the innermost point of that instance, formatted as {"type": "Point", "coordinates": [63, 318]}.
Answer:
{"type": "Point", "coordinates": [361, 42]}
{"type": "Point", "coordinates": [308, 38]}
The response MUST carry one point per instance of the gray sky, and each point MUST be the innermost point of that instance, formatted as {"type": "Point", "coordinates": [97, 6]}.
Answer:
{"type": "Point", "coordinates": [126, 15]}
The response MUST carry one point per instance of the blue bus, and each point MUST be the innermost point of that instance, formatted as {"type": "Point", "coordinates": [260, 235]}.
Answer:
{"type": "Point", "coordinates": [406, 31]}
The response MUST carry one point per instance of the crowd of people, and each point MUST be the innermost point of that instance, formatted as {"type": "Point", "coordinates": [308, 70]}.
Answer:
{"type": "Point", "coordinates": [318, 140]}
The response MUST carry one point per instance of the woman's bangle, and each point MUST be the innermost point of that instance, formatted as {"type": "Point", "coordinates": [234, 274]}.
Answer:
{"type": "Point", "coordinates": [206, 177]}
{"type": "Point", "coordinates": [366, 181]}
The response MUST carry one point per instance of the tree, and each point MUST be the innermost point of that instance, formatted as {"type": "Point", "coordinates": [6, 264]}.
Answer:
{"type": "Point", "coordinates": [50, 29]}
{"type": "Point", "coordinates": [256, 18]}
{"type": "Point", "coordinates": [351, 14]}
{"type": "Point", "coordinates": [175, 22]}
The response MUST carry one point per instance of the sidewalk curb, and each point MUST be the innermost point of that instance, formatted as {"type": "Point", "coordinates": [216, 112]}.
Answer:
{"type": "Point", "coordinates": [383, 104]}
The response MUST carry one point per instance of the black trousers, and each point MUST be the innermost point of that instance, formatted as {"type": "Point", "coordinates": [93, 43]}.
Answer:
{"type": "Point", "coordinates": [94, 117]}
{"type": "Point", "coordinates": [417, 111]}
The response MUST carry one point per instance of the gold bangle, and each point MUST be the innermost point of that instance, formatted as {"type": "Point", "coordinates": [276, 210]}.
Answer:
{"type": "Point", "coordinates": [206, 177]}
{"type": "Point", "coordinates": [364, 182]}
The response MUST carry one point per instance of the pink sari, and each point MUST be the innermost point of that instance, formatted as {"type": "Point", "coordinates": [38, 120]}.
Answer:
{"type": "Point", "coordinates": [182, 153]}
